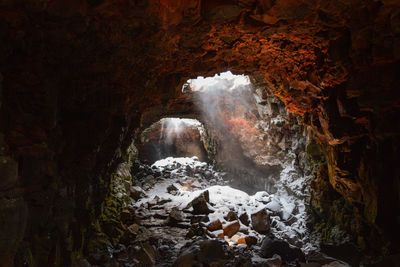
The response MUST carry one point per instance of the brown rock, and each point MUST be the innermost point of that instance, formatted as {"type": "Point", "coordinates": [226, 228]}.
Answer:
{"type": "Point", "coordinates": [251, 240]}
{"type": "Point", "coordinates": [260, 221]}
{"type": "Point", "coordinates": [231, 229]}
{"type": "Point", "coordinates": [215, 225]}
{"type": "Point", "coordinates": [199, 204]}
{"type": "Point", "coordinates": [244, 218]}
{"type": "Point", "coordinates": [231, 216]}
{"type": "Point", "coordinates": [241, 240]}
{"type": "Point", "coordinates": [248, 240]}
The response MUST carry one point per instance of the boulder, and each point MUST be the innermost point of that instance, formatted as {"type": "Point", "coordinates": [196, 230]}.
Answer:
{"type": "Point", "coordinates": [200, 205]}
{"type": "Point", "coordinates": [231, 229]}
{"type": "Point", "coordinates": [214, 225]}
{"type": "Point", "coordinates": [244, 218]}
{"type": "Point", "coordinates": [231, 216]}
{"type": "Point", "coordinates": [260, 221]}
{"type": "Point", "coordinates": [271, 246]}
{"type": "Point", "coordinates": [203, 253]}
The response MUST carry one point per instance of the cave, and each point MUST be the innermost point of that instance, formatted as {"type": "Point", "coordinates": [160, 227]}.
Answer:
{"type": "Point", "coordinates": [199, 133]}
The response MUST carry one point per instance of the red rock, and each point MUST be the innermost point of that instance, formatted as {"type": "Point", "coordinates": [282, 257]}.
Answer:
{"type": "Point", "coordinates": [231, 229]}
{"type": "Point", "coordinates": [215, 225]}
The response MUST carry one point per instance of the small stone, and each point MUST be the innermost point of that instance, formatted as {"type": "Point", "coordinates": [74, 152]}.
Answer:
{"type": "Point", "coordinates": [133, 229]}
{"type": "Point", "coordinates": [196, 230]}
{"type": "Point", "coordinates": [260, 221]}
{"type": "Point", "coordinates": [172, 190]}
{"type": "Point", "coordinates": [244, 218]}
{"type": "Point", "coordinates": [231, 229]}
{"type": "Point", "coordinates": [154, 201]}
{"type": "Point", "coordinates": [231, 216]}
{"type": "Point", "coordinates": [136, 192]}
{"type": "Point", "coordinates": [175, 216]}
{"type": "Point", "coordinates": [215, 225]}
{"type": "Point", "coordinates": [198, 219]}
{"type": "Point", "coordinates": [219, 233]}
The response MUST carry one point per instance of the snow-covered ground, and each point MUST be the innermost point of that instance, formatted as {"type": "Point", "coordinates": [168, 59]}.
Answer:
{"type": "Point", "coordinates": [183, 179]}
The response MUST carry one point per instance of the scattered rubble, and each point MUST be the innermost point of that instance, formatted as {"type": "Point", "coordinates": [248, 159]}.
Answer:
{"type": "Point", "coordinates": [179, 220]}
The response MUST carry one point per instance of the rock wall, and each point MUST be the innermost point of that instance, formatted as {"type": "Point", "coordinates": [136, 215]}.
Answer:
{"type": "Point", "coordinates": [77, 75]}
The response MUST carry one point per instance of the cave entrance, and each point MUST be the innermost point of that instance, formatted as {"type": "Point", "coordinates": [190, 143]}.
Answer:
{"type": "Point", "coordinates": [172, 137]}
{"type": "Point", "coordinates": [239, 174]}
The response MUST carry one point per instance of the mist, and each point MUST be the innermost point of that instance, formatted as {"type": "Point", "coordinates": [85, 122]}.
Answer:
{"type": "Point", "coordinates": [228, 108]}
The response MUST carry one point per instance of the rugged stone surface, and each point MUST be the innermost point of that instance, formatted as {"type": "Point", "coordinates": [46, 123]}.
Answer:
{"type": "Point", "coordinates": [231, 229]}
{"type": "Point", "coordinates": [214, 225]}
{"type": "Point", "coordinates": [231, 216]}
{"type": "Point", "coordinates": [260, 221]}
{"type": "Point", "coordinates": [244, 218]}
{"type": "Point", "coordinates": [270, 247]}
{"type": "Point", "coordinates": [200, 204]}
{"type": "Point", "coordinates": [207, 252]}
{"type": "Point", "coordinates": [171, 138]}
{"type": "Point", "coordinates": [77, 78]}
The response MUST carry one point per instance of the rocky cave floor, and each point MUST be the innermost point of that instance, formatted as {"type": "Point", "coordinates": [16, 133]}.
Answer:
{"type": "Point", "coordinates": [183, 213]}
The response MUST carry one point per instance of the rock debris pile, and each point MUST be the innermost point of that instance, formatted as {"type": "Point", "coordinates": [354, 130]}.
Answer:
{"type": "Point", "coordinates": [185, 214]}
